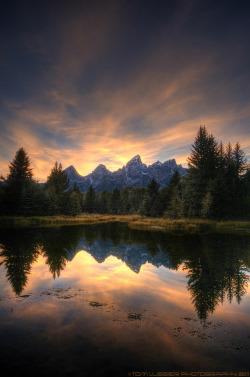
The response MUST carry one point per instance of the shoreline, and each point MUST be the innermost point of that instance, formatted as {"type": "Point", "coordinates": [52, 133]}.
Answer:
{"type": "Point", "coordinates": [133, 221]}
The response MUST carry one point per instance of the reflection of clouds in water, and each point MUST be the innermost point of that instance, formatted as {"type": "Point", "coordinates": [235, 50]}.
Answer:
{"type": "Point", "coordinates": [115, 261]}
{"type": "Point", "coordinates": [63, 316]}
{"type": "Point", "coordinates": [110, 311]}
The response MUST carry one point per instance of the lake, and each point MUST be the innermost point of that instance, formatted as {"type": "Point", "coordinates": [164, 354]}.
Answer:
{"type": "Point", "coordinates": [106, 300]}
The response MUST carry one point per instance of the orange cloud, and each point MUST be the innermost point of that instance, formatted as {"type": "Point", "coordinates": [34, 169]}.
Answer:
{"type": "Point", "coordinates": [156, 113]}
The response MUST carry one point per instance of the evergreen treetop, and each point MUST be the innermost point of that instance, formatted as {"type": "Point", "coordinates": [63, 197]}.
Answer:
{"type": "Point", "coordinates": [58, 179]}
{"type": "Point", "coordinates": [19, 168]}
{"type": "Point", "coordinates": [90, 200]}
{"type": "Point", "coordinates": [239, 159]}
{"type": "Point", "coordinates": [205, 154]}
{"type": "Point", "coordinates": [153, 188]}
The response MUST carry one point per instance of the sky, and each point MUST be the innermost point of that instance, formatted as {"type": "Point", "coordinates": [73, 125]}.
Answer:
{"type": "Point", "coordinates": [90, 82]}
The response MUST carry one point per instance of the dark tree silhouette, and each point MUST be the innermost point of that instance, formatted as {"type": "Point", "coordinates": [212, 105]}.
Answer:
{"type": "Point", "coordinates": [204, 158]}
{"type": "Point", "coordinates": [239, 159]}
{"type": "Point", "coordinates": [21, 188]}
{"type": "Point", "coordinates": [115, 202]}
{"type": "Point", "coordinates": [58, 179]}
{"type": "Point", "coordinates": [90, 200]}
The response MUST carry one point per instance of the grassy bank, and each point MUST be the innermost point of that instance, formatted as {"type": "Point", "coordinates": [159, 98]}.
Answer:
{"type": "Point", "coordinates": [83, 219]}
{"type": "Point", "coordinates": [133, 221]}
{"type": "Point", "coordinates": [192, 225]}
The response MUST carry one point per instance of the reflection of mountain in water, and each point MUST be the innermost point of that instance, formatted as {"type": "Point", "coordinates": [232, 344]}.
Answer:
{"type": "Point", "coordinates": [217, 265]}
{"type": "Point", "coordinates": [133, 255]}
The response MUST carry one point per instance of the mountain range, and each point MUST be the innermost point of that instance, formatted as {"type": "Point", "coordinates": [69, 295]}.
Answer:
{"type": "Point", "coordinates": [134, 174]}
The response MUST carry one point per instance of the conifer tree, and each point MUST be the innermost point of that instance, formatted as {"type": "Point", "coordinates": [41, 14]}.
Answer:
{"type": "Point", "coordinates": [230, 164]}
{"type": "Point", "coordinates": [151, 205]}
{"type": "Point", "coordinates": [218, 200]}
{"type": "Point", "coordinates": [204, 158]}
{"type": "Point", "coordinates": [102, 202]}
{"type": "Point", "coordinates": [126, 200]}
{"type": "Point", "coordinates": [21, 188]}
{"type": "Point", "coordinates": [71, 203]}
{"type": "Point", "coordinates": [138, 195]}
{"type": "Point", "coordinates": [19, 168]}
{"type": "Point", "coordinates": [174, 180]}
{"type": "Point", "coordinates": [203, 165]}
{"type": "Point", "coordinates": [56, 190]}
{"type": "Point", "coordinates": [115, 201]}
{"type": "Point", "coordinates": [58, 179]}
{"type": "Point", "coordinates": [240, 162]}
{"type": "Point", "coordinates": [153, 188]}
{"type": "Point", "coordinates": [173, 206]}
{"type": "Point", "coordinates": [222, 160]}
{"type": "Point", "coordinates": [90, 200]}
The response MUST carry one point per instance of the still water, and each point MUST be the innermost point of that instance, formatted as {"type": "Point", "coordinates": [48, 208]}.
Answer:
{"type": "Point", "coordinates": [110, 301]}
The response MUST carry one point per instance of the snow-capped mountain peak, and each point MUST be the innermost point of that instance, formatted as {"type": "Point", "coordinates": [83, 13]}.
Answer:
{"type": "Point", "coordinates": [134, 173]}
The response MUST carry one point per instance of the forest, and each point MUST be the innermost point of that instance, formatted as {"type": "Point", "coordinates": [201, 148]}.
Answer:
{"type": "Point", "coordinates": [216, 186]}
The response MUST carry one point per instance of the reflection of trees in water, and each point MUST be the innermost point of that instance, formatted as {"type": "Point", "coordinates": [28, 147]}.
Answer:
{"type": "Point", "coordinates": [217, 265]}
{"type": "Point", "coordinates": [20, 248]}
{"type": "Point", "coordinates": [57, 244]}
{"type": "Point", "coordinates": [218, 270]}
{"type": "Point", "coordinates": [19, 252]}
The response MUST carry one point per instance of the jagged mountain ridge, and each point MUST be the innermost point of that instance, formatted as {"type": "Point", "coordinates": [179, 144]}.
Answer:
{"type": "Point", "coordinates": [134, 173]}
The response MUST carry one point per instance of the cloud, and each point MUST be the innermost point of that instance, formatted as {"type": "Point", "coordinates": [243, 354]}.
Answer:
{"type": "Point", "coordinates": [94, 101]}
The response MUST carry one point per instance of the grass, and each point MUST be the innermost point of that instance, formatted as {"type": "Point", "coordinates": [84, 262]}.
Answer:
{"type": "Point", "coordinates": [134, 222]}
{"type": "Point", "coordinates": [192, 225]}
{"type": "Point", "coordinates": [83, 219]}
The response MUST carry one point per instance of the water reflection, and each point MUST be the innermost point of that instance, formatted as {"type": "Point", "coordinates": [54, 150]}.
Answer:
{"type": "Point", "coordinates": [216, 266]}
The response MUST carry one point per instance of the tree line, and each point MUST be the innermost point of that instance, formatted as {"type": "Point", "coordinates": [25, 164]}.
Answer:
{"type": "Point", "coordinates": [217, 186]}
{"type": "Point", "coordinates": [22, 195]}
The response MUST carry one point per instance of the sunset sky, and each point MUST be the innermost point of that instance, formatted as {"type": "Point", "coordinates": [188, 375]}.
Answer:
{"type": "Point", "coordinates": [90, 82]}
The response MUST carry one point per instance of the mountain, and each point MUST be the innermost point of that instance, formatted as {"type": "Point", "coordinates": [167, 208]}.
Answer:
{"type": "Point", "coordinates": [134, 173]}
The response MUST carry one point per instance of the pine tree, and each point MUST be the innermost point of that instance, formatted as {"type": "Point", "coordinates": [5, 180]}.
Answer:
{"type": "Point", "coordinates": [230, 164]}
{"type": "Point", "coordinates": [115, 202]}
{"type": "Point", "coordinates": [174, 180]}
{"type": "Point", "coordinates": [153, 188]}
{"type": "Point", "coordinates": [222, 160]}
{"type": "Point", "coordinates": [58, 179]}
{"type": "Point", "coordinates": [204, 158]}
{"type": "Point", "coordinates": [126, 194]}
{"type": "Point", "coordinates": [52, 201]}
{"type": "Point", "coordinates": [240, 162]}
{"type": "Point", "coordinates": [204, 163]}
{"type": "Point", "coordinates": [72, 203]}
{"type": "Point", "coordinates": [90, 200]}
{"type": "Point", "coordinates": [151, 205]}
{"type": "Point", "coordinates": [218, 201]}
{"type": "Point", "coordinates": [21, 188]}
{"type": "Point", "coordinates": [103, 200]}
{"type": "Point", "coordinates": [20, 170]}
{"type": "Point", "coordinates": [174, 210]}
{"type": "Point", "coordinates": [193, 193]}
{"type": "Point", "coordinates": [137, 198]}
{"type": "Point", "coordinates": [56, 188]}
{"type": "Point", "coordinates": [167, 193]}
